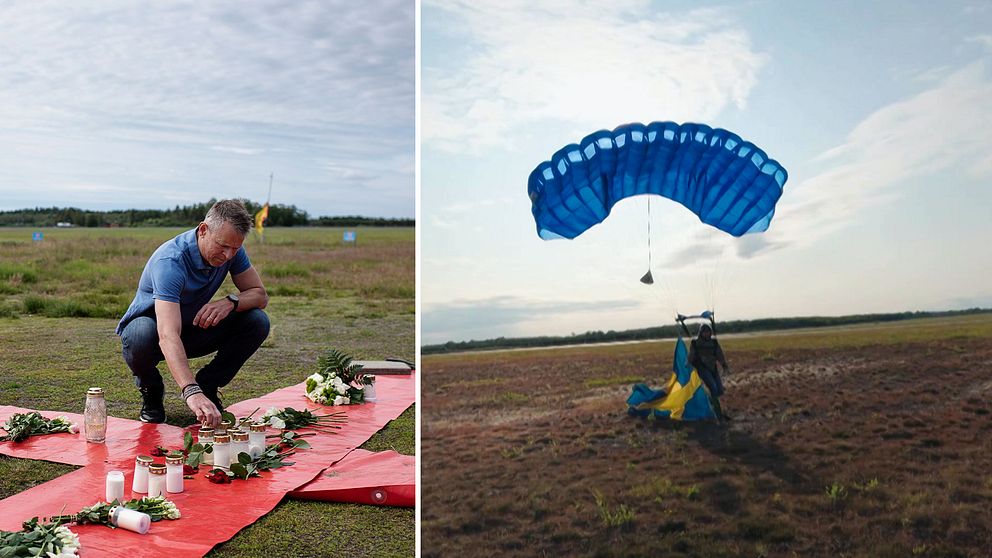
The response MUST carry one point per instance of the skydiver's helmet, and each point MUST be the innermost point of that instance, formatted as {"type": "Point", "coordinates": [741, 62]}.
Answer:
{"type": "Point", "coordinates": [705, 328]}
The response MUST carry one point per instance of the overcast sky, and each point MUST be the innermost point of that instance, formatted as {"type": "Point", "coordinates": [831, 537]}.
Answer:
{"type": "Point", "coordinates": [122, 104]}
{"type": "Point", "coordinates": [880, 111]}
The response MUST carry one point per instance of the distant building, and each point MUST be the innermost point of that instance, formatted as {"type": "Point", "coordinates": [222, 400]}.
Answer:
{"type": "Point", "coordinates": [63, 224]}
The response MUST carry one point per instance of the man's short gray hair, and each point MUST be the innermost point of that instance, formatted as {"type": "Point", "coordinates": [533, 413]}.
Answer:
{"type": "Point", "coordinates": [231, 212]}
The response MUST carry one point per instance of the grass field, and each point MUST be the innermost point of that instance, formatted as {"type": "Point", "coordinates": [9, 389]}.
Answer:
{"type": "Point", "coordinates": [59, 304]}
{"type": "Point", "coordinates": [868, 441]}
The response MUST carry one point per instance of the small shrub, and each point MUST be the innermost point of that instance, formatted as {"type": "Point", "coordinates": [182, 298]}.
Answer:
{"type": "Point", "coordinates": [8, 311]}
{"type": "Point", "coordinates": [622, 517]}
{"type": "Point", "coordinates": [285, 270]}
{"type": "Point", "coordinates": [837, 493]}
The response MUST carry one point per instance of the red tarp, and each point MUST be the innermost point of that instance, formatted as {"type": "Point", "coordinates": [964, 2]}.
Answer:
{"type": "Point", "coordinates": [212, 513]}
{"type": "Point", "coordinates": [384, 478]}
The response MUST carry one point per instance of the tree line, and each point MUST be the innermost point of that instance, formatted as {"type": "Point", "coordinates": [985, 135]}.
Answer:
{"type": "Point", "coordinates": [180, 216]}
{"type": "Point", "coordinates": [670, 331]}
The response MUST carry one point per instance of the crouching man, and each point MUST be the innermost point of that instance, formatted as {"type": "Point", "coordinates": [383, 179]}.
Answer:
{"type": "Point", "coordinates": [173, 319]}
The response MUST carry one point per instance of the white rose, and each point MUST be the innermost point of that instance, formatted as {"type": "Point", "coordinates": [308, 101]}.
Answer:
{"type": "Point", "coordinates": [272, 411]}
{"type": "Point", "coordinates": [341, 400]}
{"type": "Point", "coordinates": [277, 422]}
{"type": "Point", "coordinates": [316, 377]}
{"type": "Point", "coordinates": [74, 428]}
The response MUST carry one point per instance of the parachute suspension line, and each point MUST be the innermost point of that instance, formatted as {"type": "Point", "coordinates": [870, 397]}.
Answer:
{"type": "Point", "coordinates": [648, 279]}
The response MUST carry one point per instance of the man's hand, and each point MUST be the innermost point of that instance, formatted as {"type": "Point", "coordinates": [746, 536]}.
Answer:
{"type": "Point", "coordinates": [212, 313]}
{"type": "Point", "coordinates": [204, 409]}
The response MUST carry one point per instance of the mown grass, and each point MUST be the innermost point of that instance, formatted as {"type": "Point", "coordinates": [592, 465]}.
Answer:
{"type": "Point", "coordinates": [94, 272]}
{"type": "Point", "coordinates": [59, 304]}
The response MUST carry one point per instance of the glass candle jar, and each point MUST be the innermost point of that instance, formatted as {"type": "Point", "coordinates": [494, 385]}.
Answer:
{"type": "Point", "coordinates": [174, 473]}
{"type": "Point", "coordinates": [239, 445]}
{"type": "Point", "coordinates": [156, 480]}
{"type": "Point", "coordinates": [95, 416]}
{"type": "Point", "coordinates": [139, 483]}
{"type": "Point", "coordinates": [132, 520]}
{"type": "Point", "coordinates": [115, 486]}
{"type": "Point", "coordinates": [206, 437]}
{"type": "Point", "coordinates": [256, 439]}
{"type": "Point", "coordinates": [222, 451]}
{"type": "Point", "coordinates": [369, 390]}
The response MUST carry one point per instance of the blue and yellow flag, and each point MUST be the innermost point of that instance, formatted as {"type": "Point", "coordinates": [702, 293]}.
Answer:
{"type": "Point", "coordinates": [684, 398]}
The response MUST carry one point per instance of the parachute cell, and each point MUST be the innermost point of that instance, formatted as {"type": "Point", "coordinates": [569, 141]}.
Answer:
{"type": "Point", "coordinates": [727, 182]}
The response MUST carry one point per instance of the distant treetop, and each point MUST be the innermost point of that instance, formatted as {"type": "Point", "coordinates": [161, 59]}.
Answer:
{"type": "Point", "coordinates": [184, 216]}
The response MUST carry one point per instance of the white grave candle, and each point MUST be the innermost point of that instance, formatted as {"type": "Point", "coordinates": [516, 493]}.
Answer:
{"type": "Point", "coordinates": [222, 451]}
{"type": "Point", "coordinates": [174, 473]}
{"type": "Point", "coordinates": [132, 520]}
{"type": "Point", "coordinates": [206, 437]}
{"type": "Point", "coordinates": [115, 486]}
{"type": "Point", "coordinates": [156, 480]}
{"type": "Point", "coordinates": [239, 444]}
{"type": "Point", "coordinates": [139, 483]}
{"type": "Point", "coordinates": [256, 439]}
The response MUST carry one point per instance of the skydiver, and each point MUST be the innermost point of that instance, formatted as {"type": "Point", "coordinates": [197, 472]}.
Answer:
{"type": "Point", "coordinates": [704, 354]}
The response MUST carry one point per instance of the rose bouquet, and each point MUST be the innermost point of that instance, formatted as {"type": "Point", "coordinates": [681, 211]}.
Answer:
{"type": "Point", "coordinates": [39, 539]}
{"type": "Point", "coordinates": [292, 419]}
{"type": "Point", "coordinates": [21, 425]}
{"type": "Point", "coordinates": [338, 381]}
{"type": "Point", "coordinates": [157, 508]}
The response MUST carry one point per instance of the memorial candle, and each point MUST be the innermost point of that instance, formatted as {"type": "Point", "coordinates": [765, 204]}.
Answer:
{"type": "Point", "coordinates": [239, 444]}
{"type": "Point", "coordinates": [115, 486]}
{"type": "Point", "coordinates": [139, 483]}
{"type": "Point", "coordinates": [222, 451]}
{"type": "Point", "coordinates": [132, 520]}
{"type": "Point", "coordinates": [223, 427]}
{"type": "Point", "coordinates": [174, 473]}
{"type": "Point", "coordinates": [256, 439]}
{"type": "Point", "coordinates": [206, 437]}
{"type": "Point", "coordinates": [156, 480]}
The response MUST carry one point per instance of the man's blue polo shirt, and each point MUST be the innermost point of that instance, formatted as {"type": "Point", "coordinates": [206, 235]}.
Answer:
{"type": "Point", "coordinates": [176, 272]}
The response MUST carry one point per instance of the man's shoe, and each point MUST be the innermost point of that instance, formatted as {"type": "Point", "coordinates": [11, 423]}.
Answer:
{"type": "Point", "coordinates": [152, 406]}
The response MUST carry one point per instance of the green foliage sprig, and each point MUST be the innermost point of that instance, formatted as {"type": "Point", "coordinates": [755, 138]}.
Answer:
{"type": "Point", "coordinates": [38, 539]}
{"type": "Point", "coordinates": [22, 425]}
{"type": "Point", "coordinates": [157, 507]}
{"type": "Point", "coordinates": [292, 419]}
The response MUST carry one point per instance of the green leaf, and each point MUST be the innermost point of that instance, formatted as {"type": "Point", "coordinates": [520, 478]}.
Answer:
{"type": "Point", "coordinates": [244, 458]}
{"type": "Point", "coordinates": [187, 441]}
{"type": "Point", "coordinates": [239, 470]}
{"type": "Point", "coordinates": [228, 416]}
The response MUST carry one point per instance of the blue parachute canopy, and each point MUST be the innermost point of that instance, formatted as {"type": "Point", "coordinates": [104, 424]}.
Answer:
{"type": "Point", "coordinates": [727, 182]}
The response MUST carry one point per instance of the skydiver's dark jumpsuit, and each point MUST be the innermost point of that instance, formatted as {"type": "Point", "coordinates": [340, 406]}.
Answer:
{"type": "Point", "coordinates": [704, 354]}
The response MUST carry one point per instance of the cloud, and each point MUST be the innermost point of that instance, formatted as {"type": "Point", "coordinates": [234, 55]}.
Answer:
{"type": "Point", "coordinates": [944, 128]}
{"type": "Point", "coordinates": [236, 150]}
{"type": "Point", "coordinates": [590, 64]}
{"type": "Point", "coordinates": [207, 84]}
{"type": "Point", "coordinates": [983, 40]}
{"type": "Point", "coordinates": [471, 319]}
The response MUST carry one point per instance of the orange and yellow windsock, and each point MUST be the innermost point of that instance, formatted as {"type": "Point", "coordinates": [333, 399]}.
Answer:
{"type": "Point", "coordinates": [260, 218]}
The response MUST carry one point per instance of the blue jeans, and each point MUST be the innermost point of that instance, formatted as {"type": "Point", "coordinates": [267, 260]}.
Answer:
{"type": "Point", "coordinates": [235, 339]}
{"type": "Point", "coordinates": [712, 380]}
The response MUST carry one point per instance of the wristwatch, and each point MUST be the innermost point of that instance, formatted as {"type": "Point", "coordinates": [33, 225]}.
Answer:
{"type": "Point", "coordinates": [234, 299]}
